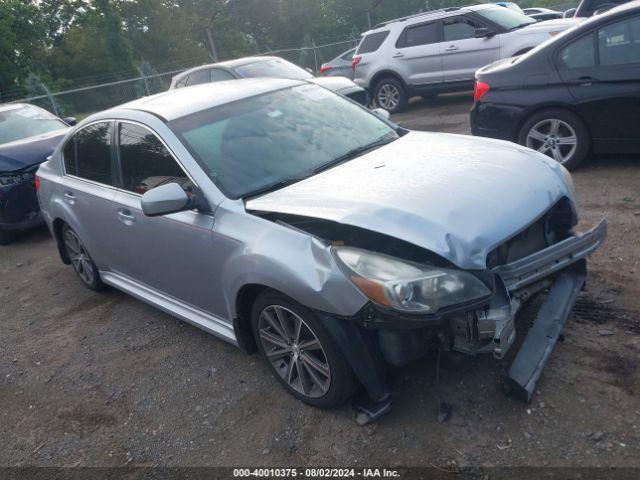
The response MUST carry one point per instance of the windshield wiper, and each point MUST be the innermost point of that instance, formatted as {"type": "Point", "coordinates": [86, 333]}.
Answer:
{"type": "Point", "coordinates": [355, 152]}
{"type": "Point", "coordinates": [278, 185]}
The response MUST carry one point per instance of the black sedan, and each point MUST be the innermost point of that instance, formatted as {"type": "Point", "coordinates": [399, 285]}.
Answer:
{"type": "Point", "coordinates": [574, 94]}
{"type": "Point", "coordinates": [28, 135]}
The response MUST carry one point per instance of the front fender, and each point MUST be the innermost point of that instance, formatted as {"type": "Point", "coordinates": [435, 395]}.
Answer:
{"type": "Point", "coordinates": [287, 260]}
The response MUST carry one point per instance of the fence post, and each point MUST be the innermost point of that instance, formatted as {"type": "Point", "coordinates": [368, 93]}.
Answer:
{"type": "Point", "coordinates": [51, 99]}
{"type": "Point", "coordinates": [144, 79]}
{"type": "Point", "coordinates": [315, 55]}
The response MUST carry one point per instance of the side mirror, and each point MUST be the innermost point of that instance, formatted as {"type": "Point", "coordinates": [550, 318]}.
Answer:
{"type": "Point", "coordinates": [71, 121]}
{"type": "Point", "coordinates": [569, 13]}
{"type": "Point", "coordinates": [483, 32]}
{"type": "Point", "coordinates": [382, 113]}
{"type": "Point", "coordinates": [163, 200]}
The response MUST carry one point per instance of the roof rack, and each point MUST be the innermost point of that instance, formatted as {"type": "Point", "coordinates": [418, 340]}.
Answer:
{"type": "Point", "coordinates": [415, 15]}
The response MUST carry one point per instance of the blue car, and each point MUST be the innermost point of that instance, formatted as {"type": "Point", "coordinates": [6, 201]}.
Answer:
{"type": "Point", "coordinates": [28, 135]}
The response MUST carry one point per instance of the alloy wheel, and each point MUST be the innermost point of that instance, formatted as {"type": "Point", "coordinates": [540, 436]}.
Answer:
{"type": "Point", "coordinates": [294, 351]}
{"type": "Point", "coordinates": [388, 96]}
{"type": "Point", "coordinates": [553, 137]}
{"type": "Point", "coordinates": [79, 257]}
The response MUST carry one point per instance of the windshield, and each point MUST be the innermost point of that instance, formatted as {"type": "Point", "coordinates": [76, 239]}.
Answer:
{"type": "Point", "coordinates": [26, 121]}
{"type": "Point", "coordinates": [264, 141]}
{"type": "Point", "coordinates": [276, 68]}
{"type": "Point", "coordinates": [505, 17]}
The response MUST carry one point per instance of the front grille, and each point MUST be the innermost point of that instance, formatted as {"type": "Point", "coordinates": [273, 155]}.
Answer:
{"type": "Point", "coordinates": [552, 227]}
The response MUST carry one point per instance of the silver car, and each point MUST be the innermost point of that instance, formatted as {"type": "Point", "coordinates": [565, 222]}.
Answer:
{"type": "Point", "coordinates": [439, 51]}
{"type": "Point", "coordinates": [340, 66]}
{"type": "Point", "coordinates": [284, 218]}
{"type": "Point", "coordinates": [266, 66]}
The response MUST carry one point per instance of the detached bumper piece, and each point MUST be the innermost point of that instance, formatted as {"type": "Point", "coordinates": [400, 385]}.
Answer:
{"type": "Point", "coordinates": [543, 335]}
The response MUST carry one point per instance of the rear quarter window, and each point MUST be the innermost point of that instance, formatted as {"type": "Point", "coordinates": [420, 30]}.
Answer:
{"type": "Point", "coordinates": [372, 42]}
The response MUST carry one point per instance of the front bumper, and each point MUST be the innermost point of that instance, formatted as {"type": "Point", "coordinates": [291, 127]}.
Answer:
{"type": "Point", "coordinates": [372, 339]}
{"type": "Point", "coordinates": [19, 208]}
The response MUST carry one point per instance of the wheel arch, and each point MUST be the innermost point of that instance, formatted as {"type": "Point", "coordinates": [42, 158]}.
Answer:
{"type": "Point", "coordinates": [547, 106]}
{"type": "Point", "coordinates": [244, 301]}
{"type": "Point", "coordinates": [384, 74]}
{"type": "Point", "coordinates": [56, 228]}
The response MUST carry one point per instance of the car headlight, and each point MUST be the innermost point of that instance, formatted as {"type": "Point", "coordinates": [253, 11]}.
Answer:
{"type": "Point", "coordinates": [408, 287]}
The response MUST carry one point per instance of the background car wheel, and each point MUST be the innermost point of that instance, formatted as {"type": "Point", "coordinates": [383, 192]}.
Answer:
{"type": "Point", "coordinates": [80, 259]}
{"type": "Point", "coordinates": [6, 237]}
{"type": "Point", "coordinates": [390, 94]}
{"type": "Point", "coordinates": [302, 355]}
{"type": "Point", "coordinates": [557, 133]}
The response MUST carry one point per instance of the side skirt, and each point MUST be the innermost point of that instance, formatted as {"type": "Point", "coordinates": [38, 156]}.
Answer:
{"type": "Point", "coordinates": [196, 317]}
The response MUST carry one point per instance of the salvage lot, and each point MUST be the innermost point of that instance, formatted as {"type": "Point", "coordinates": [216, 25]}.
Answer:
{"type": "Point", "coordinates": [103, 379]}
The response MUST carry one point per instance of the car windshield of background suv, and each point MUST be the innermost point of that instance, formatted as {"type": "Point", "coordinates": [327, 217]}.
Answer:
{"type": "Point", "coordinates": [506, 18]}
{"type": "Point", "coordinates": [25, 122]}
{"type": "Point", "coordinates": [249, 145]}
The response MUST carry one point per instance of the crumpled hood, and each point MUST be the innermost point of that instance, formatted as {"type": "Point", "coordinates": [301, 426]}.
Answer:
{"type": "Point", "coordinates": [336, 84]}
{"type": "Point", "coordinates": [455, 195]}
{"type": "Point", "coordinates": [29, 151]}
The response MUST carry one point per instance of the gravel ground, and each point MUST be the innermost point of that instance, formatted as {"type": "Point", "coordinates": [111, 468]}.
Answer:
{"type": "Point", "coordinates": [105, 380]}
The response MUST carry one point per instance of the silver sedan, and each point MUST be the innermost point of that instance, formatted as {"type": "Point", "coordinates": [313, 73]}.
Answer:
{"type": "Point", "coordinates": [288, 220]}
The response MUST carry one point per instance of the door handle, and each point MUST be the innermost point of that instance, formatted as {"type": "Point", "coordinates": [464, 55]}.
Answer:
{"type": "Point", "coordinates": [398, 55]}
{"type": "Point", "coordinates": [452, 48]}
{"type": "Point", "coordinates": [584, 81]}
{"type": "Point", "coordinates": [70, 197]}
{"type": "Point", "coordinates": [125, 217]}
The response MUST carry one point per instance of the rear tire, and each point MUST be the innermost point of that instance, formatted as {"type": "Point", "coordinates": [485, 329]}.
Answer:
{"type": "Point", "coordinates": [390, 94]}
{"type": "Point", "coordinates": [80, 259]}
{"type": "Point", "coordinates": [292, 337]}
{"type": "Point", "coordinates": [559, 134]}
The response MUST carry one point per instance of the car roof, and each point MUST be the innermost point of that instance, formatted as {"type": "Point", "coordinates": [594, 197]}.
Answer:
{"type": "Point", "coordinates": [228, 64]}
{"type": "Point", "coordinates": [435, 14]}
{"type": "Point", "coordinates": [177, 103]}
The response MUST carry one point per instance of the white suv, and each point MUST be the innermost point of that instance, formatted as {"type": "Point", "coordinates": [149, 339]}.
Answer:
{"type": "Point", "coordinates": [439, 51]}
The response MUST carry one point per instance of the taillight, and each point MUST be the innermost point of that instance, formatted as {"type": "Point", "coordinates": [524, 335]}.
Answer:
{"type": "Point", "coordinates": [479, 89]}
{"type": "Point", "coordinates": [325, 68]}
{"type": "Point", "coordinates": [355, 61]}
{"type": "Point", "coordinates": [37, 183]}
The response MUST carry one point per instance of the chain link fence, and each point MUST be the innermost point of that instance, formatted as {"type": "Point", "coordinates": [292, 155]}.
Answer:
{"type": "Point", "coordinates": [82, 101]}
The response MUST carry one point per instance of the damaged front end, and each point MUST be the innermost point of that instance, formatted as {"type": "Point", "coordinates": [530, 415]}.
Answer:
{"type": "Point", "coordinates": [546, 256]}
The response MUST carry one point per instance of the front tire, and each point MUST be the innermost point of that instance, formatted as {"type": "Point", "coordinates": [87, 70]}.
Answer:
{"type": "Point", "coordinates": [302, 355]}
{"type": "Point", "coordinates": [559, 134]}
{"type": "Point", "coordinates": [80, 259]}
{"type": "Point", "coordinates": [391, 95]}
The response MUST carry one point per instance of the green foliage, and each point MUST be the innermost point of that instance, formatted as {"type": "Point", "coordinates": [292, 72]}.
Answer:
{"type": "Point", "coordinates": [68, 43]}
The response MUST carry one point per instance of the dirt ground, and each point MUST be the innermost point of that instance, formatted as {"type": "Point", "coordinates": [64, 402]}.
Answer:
{"type": "Point", "coordinates": [105, 380]}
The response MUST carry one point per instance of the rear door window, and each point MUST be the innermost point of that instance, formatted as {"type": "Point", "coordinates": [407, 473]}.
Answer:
{"type": "Point", "coordinates": [578, 54]}
{"type": "Point", "coordinates": [88, 154]}
{"type": "Point", "coordinates": [423, 34]}
{"type": "Point", "coordinates": [198, 77]}
{"type": "Point", "coordinates": [145, 161]}
{"type": "Point", "coordinates": [372, 42]}
{"type": "Point", "coordinates": [219, 75]}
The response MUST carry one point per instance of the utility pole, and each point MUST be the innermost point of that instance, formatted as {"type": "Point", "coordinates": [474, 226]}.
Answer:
{"type": "Point", "coordinates": [212, 46]}
{"type": "Point", "coordinates": [375, 5]}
